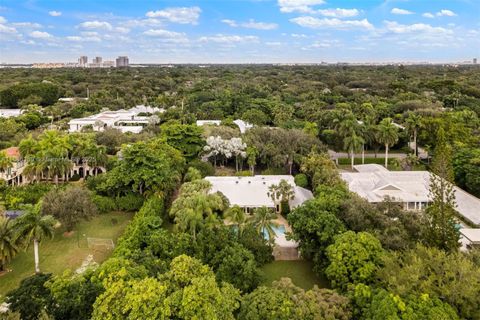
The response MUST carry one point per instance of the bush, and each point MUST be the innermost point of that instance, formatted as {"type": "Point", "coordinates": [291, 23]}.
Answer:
{"type": "Point", "coordinates": [205, 168]}
{"type": "Point", "coordinates": [273, 171]}
{"type": "Point", "coordinates": [93, 183]}
{"type": "Point", "coordinates": [104, 204]}
{"type": "Point", "coordinates": [154, 206]}
{"type": "Point", "coordinates": [301, 180]}
{"type": "Point", "coordinates": [75, 177]}
{"type": "Point", "coordinates": [244, 173]}
{"type": "Point", "coordinates": [130, 202]}
{"type": "Point", "coordinates": [285, 208]}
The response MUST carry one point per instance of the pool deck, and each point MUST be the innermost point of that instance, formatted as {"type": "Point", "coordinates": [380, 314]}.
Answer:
{"type": "Point", "coordinates": [285, 249]}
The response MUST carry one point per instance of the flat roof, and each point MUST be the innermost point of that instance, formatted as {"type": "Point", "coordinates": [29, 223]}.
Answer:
{"type": "Point", "coordinates": [471, 234]}
{"type": "Point", "coordinates": [253, 191]}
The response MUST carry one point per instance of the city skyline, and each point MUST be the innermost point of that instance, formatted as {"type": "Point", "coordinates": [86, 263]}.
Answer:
{"type": "Point", "coordinates": [255, 31]}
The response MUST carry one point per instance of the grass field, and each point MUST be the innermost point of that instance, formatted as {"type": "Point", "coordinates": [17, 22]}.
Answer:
{"type": "Point", "coordinates": [62, 252]}
{"type": "Point", "coordinates": [299, 271]}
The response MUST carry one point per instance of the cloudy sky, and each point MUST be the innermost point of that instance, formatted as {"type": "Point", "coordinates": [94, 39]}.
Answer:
{"type": "Point", "coordinates": [238, 31]}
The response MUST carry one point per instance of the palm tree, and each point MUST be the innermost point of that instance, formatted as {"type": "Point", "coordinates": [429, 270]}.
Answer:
{"type": "Point", "coordinates": [281, 193]}
{"type": "Point", "coordinates": [5, 161]}
{"type": "Point", "coordinates": [263, 221]}
{"type": "Point", "coordinates": [189, 220]}
{"type": "Point", "coordinates": [353, 143]}
{"type": "Point", "coordinates": [8, 242]}
{"type": "Point", "coordinates": [413, 123]}
{"type": "Point", "coordinates": [32, 226]}
{"type": "Point", "coordinates": [236, 216]}
{"type": "Point", "coordinates": [388, 135]}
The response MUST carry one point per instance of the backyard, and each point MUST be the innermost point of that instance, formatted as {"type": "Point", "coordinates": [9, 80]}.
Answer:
{"type": "Point", "coordinates": [300, 271]}
{"type": "Point", "coordinates": [63, 252]}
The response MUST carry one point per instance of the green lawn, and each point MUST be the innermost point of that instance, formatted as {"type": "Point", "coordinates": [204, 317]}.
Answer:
{"type": "Point", "coordinates": [300, 271]}
{"type": "Point", "coordinates": [62, 252]}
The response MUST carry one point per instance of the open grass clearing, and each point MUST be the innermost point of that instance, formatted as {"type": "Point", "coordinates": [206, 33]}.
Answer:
{"type": "Point", "coordinates": [61, 252]}
{"type": "Point", "coordinates": [300, 271]}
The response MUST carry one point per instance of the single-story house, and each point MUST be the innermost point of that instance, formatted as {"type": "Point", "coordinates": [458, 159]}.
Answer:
{"type": "Point", "coordinates": [242, 125]}
{"type": "Point", "coordinates": [124, 120]}
{"type": "Point", "coordinates": [470, 238]}
{"type": "Point", "coordinates": [253, 192]}
{"type": "Point", "coordinates": [10, 113]}
{"type": "Point", "coordinates": [411, 188]}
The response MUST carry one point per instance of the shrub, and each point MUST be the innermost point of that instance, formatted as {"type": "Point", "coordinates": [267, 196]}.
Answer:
{"type": "Point", "coordinates": [104, 204]}
{"type": "Point", "coordinates": [130, 202]}
{"type": "Point", "coordinates": [205, 168]}
{"type": "Point", "coordinates": [154, 206]}
{"type": "Point", "coordinates": [244, 173]}
{"type": "Point", "coordinates": [75, 177]}
{"type": "Point", "coordinates": [301, 180]}
{"type": "Point", "coordinates": [273, 171]}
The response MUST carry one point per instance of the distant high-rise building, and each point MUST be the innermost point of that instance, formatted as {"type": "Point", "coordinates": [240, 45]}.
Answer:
{"type": "Point", "coordinates": [97, 60]}
{"type": "Point", "coordinates": [82, 61]}
{"type": "Point", "coordinates": [474, 60]}
{"type": "Point", "coordinates": [122, 61]}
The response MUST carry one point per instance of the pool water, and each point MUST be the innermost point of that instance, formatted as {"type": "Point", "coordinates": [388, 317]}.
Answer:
{"type": "Point", "coordinates": [279, 230]}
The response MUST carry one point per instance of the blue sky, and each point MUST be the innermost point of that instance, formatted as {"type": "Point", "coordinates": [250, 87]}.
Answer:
{"type": "Point", "coordinates": [240, 31]}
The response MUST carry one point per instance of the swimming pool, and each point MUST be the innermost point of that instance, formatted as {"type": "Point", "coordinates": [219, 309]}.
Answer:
{"type": "Point", "coordinates": [279, 230]}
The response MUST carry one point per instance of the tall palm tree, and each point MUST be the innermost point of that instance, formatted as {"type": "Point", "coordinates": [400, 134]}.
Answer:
{"type": "Point", "coordinates": [8, 242]}
{"type": "Point", "coordinates": [32, 226]}
{"type": "Point", "coordinates": [263, 221]}
{"type": "Point", "coordinates": [189, 220]}
{"type": "Point", "coordinates": [353, 143]}
{"type": "Point", "coordinates": [387, 135]}
{"type": "Point", "coordinates": [236, 216]}
{"type": "Point", "coordinates": [5, 161]}
{"type": "Point", "coordinates": [281, 193]}
{"type": "Point", "coordinates": [413, 123]}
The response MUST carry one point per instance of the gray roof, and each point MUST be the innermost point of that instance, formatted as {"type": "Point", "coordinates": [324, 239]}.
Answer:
{"type": "Point", "coordinates": [374, 183]}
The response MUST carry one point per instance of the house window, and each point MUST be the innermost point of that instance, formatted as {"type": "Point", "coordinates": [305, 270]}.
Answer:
{"type": "Point", "coordinates": [411, 206]}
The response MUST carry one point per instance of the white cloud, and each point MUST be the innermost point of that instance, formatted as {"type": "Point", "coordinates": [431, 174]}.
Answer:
{"type": "Point", "coordinates": [251, 24]}
{"type": "Point", "coordinates": [3, 20]}
{"type": "Point", "coordinates": [122, 30]}
{"type": "Point", "coordinates": [84, 39]}
{"type": "Point", "coordinates": [55, 13]}
{"type": "Point", "coordinates": [89, 33]}
{"type": "Point", "coordinates": [274, 44]}
{"type": "Point", "coordinates": [28, 42]}
{"type": "Point", "coordinates": [182, 15]}
{"type": "Point", "coordinates": [7, 29]}
{"type": "Point", "coordinates": [96, 25]}
{"type": "Point", "coordinates": [315, 23]}
{"type": "Point", "coordinates": [339, 13]}
{"type": "Point", "coordinates": [27, 24]}
{"type": "Point", "coordinates": [150, 22]}
{"type": "Point", "coordinates": [446, 13]}
{"type": "Point", "coordinates": [161, 33]}
{"type": "Point", "coordinates": [398, 28]}
{"type": "Point", "coordinates": [226, 39]}
{"type": "Point", "coordinates": [299, 35]}
{"type": "Point", "coordinates": [40, 35]}
{"type": "Point", "coordinates": [303, 6]}
{"type": "Point", "coordinates": [401, 11]}
{"type": "Point", "coordinates": [428, 15]}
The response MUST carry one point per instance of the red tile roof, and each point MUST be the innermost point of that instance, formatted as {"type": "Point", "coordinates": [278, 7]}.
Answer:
{"type": "Point", "coordinates": [12, 152]}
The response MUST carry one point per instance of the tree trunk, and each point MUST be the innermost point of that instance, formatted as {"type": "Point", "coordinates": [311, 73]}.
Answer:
{"type": "Point", "coordinates": [56, 179]}
{"type": "Point", "coordinates": [386, 156]}
{"type": "Point", "coordinates": [353, 158]}
{"type": "Point", "coordinates": [363, 154]}
{"type": "Point", "coordinates": [35, 251]}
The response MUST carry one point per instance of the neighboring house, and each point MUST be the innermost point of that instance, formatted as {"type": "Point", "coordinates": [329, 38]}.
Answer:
{"type": "Point", "coordinates": [13, 175]}
{"type": "Point", "coordinates": [10, 113]}
{"type": "Point", "coordinates": [410, 188]}
{"type": "Point", "coordinates": [470, 238]}
{"type": "Point", "coordinates": [242, 125]}
{"type": "Point", "coordinates": [253, 192]}
{"type": "Point", "coordinates": [125, 120]}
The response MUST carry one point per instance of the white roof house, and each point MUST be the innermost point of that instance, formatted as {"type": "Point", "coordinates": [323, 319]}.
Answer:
{"type": "Point", "coordinates": [124, 120]}
{"type": "Point", "coordinates": [252, 192]}
{"type": "Point", "coordinates": [373, 182]}
{"type": "Point", "coordinates": [242, 125]}
{"type": "Point", "coordinates": [469, 237]}
{"type": "Point", "coordinates": [9, 113]}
